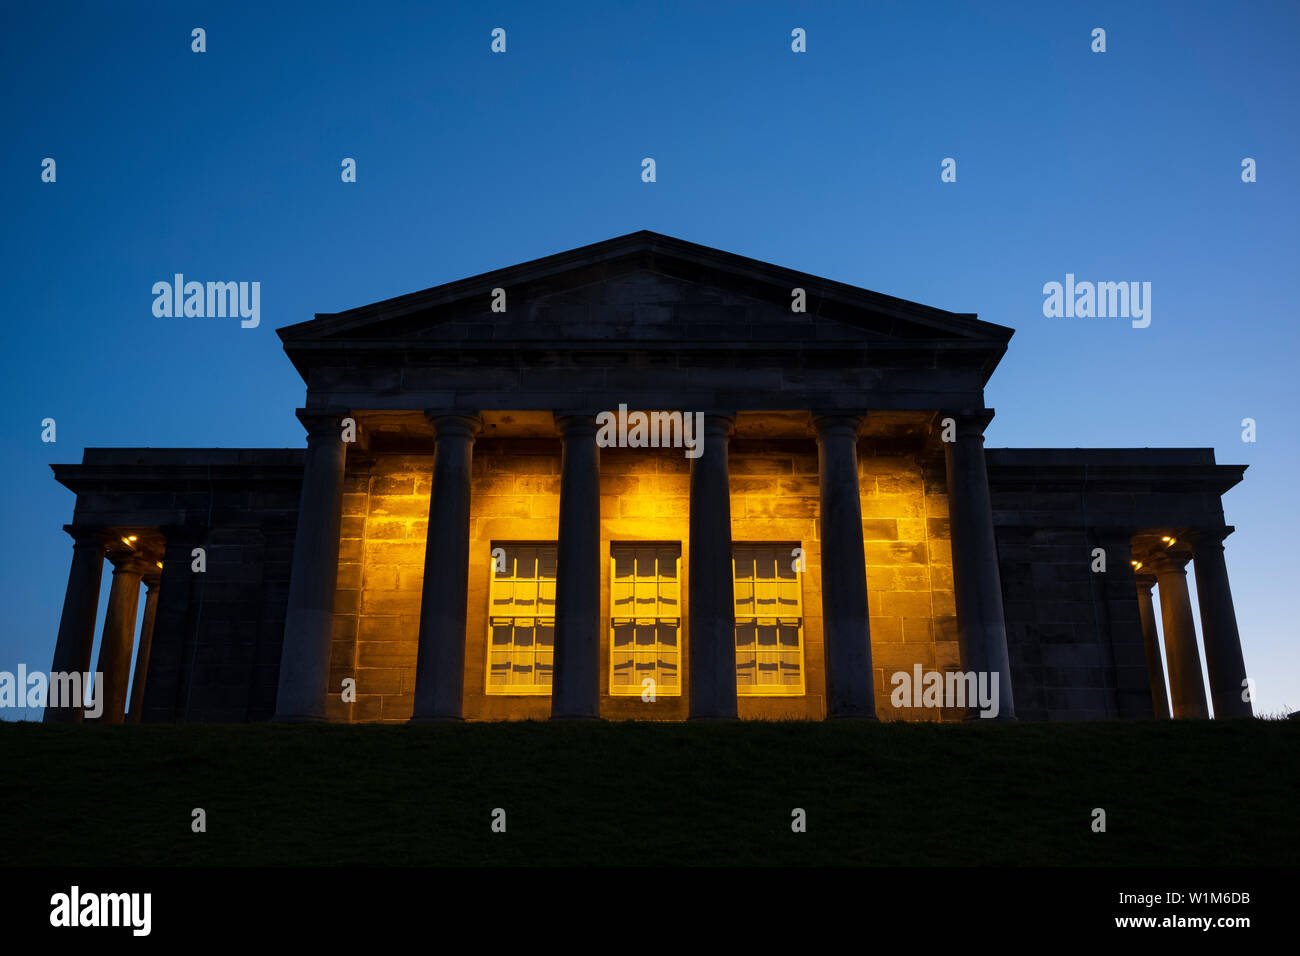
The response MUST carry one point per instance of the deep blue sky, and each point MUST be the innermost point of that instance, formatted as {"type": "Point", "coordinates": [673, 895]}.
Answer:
{"type": "Point", "coordinates": [225, 165]}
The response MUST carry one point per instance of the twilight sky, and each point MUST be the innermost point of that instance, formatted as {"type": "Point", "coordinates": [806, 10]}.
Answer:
{"type": "Point", "coordinates": [224, 165]}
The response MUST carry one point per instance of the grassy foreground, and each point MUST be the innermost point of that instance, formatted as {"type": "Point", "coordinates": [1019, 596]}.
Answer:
{"type": "Point", "coordinates": [1188, 793]}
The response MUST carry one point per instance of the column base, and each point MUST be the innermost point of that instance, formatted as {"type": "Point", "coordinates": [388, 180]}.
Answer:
{"type": "Point", "coordinates": [853, 717]}
{"type": "Point", "coordinates": [581, 718]}
{"type": "Point", "coordinates": [709, 719]}
{"type": "Point", "coordinates": [435, 720]}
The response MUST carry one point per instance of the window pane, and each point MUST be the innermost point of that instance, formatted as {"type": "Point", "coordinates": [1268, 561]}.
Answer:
{"type": "Point", "coordinates": [502, 596]}
{"type": "Point", "coordinates": [668, 564]}
{"type": "Point", "coordinates": [790, 668]}
{"type": "Point", "coordinates": [745, 668]}
{"type": "Point", "coordinates": [624, 564]}
{"type": "Point", "coordinates": [744, 592]}
{"type": "Point", "coordinates": [546, 561]}
{"type": "Point", "coordinates": [621, 599]}
{"type": "Point", "coordinates": [543, 667]}
{"type": "Point", "coordinates": [744, 561]}
{"type": "Point", "coordinates": [668, 604]}
{"type": "Point", "coordinates": [499, 668]}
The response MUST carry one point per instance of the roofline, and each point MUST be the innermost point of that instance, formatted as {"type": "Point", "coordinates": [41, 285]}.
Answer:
{"type": "Point", "coordinates": [327, 323]}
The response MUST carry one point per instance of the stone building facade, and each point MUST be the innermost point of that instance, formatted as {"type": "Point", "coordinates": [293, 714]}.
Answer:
{"type": "Point", "coordinates": [460, 539]}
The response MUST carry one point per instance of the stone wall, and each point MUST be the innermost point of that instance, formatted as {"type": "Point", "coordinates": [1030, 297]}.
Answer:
{"type": "Point", "coordinates": [644, 496]}
{"type": "Point", "coordinates": [909, 569]}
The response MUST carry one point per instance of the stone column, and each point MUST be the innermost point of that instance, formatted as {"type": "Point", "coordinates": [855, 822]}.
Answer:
{"type": "Point", "coordinates": [576, 689]}
{"type": "Point", "coordinates": [977, 583]}
{"type": "Point", "coordinates": [119, 636]}
{"type": "Point", "coordinates": [1223, 659]}
{"type": "Point", "coordinates": [850, 690]}
{"type": "Point", "coordinates": [313, 575]}
{"type": "Point", "coordinates": [1151, 640]}
{"type": "Point", "coordinates": [146, 643]}
{"type": "Point", "coordinates": [77, 623]}
{"type": "Point", "coordinates": [440, 659]}
{"type": "Point", "coordinates": [712, 612]}
{"type": "Point", "coordinates": [171, 646]}
{"type": "Point", "coordinates": [1123, 646]}
{"type": "Point", "coordinates": [1185, 683]}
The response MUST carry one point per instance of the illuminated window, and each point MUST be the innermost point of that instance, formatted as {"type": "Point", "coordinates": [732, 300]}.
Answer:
{"type": "Point", "coordinates": [521, 620]}
{"type": "Point", "coordinates": [769, 621]}
{"type": "Point", "coordinates": [645, 618]}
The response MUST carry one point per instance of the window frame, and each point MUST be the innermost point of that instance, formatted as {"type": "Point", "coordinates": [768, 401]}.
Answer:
{"type": "Point", "coordinates": [515, 690]}
{"type": "Point", "coordinates": [771, 690]}
{"type": "Point", "coordinates": [635, 690]}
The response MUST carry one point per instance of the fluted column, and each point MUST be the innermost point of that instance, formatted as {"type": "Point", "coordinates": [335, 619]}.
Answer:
{"type": "Point", "coordinates": [77, 623]}
{"type": "Point", "coordinates": [1223, 659]}
{"type": "Point", "coordinates": [712, 612]}
{"type": "Point", "coordinates": [845, 617]}
{"type": "Point", "coordinates": [1151, 641]}
{"type": "Point", "coordinates": [151, 583]}
{"type": "Point", "coordinates": [440, 659]}
{"type": "Point", "coordinates": [977, 583]}
{"type": "Point", "coordinates": [114, 669]}
{"type": "Point", "coordinates": [576, 688]}
{"type": "Point", "coordinates": [313, 576]}
{"type": "Point", "coordinates": [1186, 685]}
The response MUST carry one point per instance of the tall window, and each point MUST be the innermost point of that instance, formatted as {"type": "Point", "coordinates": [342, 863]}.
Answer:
{"type": "Point", "coordinates": [645, 618]}
{"type": "Point", "coordinates": [769, 621]}
{"type": "Point", "coordinates": [521, 619]}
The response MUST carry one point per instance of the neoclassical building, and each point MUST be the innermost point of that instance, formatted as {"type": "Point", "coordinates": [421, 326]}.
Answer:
{"type": "Point", "coordinates": [460, 538]}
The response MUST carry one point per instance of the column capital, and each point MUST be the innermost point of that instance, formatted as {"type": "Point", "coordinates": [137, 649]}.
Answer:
{"type": "Point", "coordinates": [132, 563]}
{"type": "Point", "coordinates": [322, 422]}
{"type": "Point", "coordinates": [837, 424]}
{"type": "Point", "coordinates": [968, 420]}
{"type": "Point", "coordinates": [718, 424]}
{"type": "Point", "coordinates": [452, 423]}
{"type": "Point", "coordinates": [575, 424]}
{"type": "Point", "coordinates": [86, 536]}
{"type": "Point", "coordinates": [1168, 562]}
{"type": "Point", "coordinates": [1205, 539]}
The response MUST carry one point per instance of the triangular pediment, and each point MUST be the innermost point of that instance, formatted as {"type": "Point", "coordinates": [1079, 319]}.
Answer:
{"type": "Point", "coordinates": [644, 289]}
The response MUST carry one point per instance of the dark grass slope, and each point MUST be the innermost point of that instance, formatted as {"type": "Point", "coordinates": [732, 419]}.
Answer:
{"type": "Point", "coordinates": [1186, 793]}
